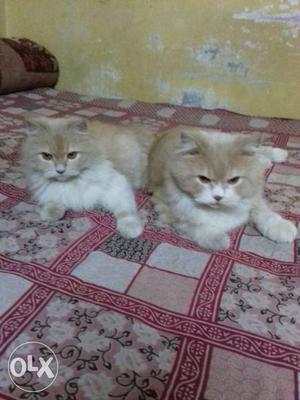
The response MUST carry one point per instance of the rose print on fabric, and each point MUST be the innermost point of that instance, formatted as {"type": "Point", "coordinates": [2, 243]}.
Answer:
{"type": "Point", "coordinates": [101, 353]}
{"type": "Point", "coordinates": [262, 303]}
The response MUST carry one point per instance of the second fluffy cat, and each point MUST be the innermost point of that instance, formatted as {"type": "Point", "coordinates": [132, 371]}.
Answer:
{"type": "Point", "coordinates": [206, 184]}
{"type": "Point", "coordinates": [73, 164]}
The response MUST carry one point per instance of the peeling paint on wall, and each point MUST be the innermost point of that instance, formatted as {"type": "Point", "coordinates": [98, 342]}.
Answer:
{"type": "Point", "coordinates": [205, 98]}
{"type": "Point", "coordinates": [249, 43]}
{"type": "Point", "coordinates": [238, 68]}
{"type": "Point", "coordinates": [262, 16]}
{"type": "Point", "coordinates": [292, 19]}
{"type": "Point", "coordinates": [154, 42]}
{"type": "Point", "coordinates": [205, 54]}
{"type": "Point", "coordinates": [239, 55]}
{"type": "Point", "coordinates": [216, 56]}
{"type": "Point", "coordinates": [162, 86]}
{"type": "Point", "coordinates": [192, 98]}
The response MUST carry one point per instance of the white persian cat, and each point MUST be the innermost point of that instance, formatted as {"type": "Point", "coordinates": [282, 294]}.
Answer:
{"type": "Point", "coordinates": [206, 184]}
{"type": "Point", "coordinates": [73, 164]}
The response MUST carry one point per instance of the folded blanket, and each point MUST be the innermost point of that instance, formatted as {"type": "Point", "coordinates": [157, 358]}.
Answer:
{"type": "Point", "coordinates": [24, 65]}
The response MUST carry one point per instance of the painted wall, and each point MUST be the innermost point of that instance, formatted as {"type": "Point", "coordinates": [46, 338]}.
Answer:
{"type": "Point", "coordinates": [2, 18]}
{"type": "Point", "coordinates": [239, 55]}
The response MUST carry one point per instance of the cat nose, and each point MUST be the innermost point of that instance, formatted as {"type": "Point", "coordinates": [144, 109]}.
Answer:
{"type": "Point", "coordinates": [60, 168]}
{"type": "Point", "coordinates": [218, 198]}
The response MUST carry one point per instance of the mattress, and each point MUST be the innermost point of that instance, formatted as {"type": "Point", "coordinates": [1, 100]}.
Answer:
{"type": "Point", "coordinates": [155, 317]}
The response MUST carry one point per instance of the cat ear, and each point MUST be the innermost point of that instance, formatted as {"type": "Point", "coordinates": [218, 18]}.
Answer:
{"type": "Point", "coordinates": [37, 123]}
{"type": "Point", "coordinates": [248, 143]}
{"type": "Point", "coordinates": [187, 145]}
{"type": "Point", "coordinates": [34, 124]}
{"type": "Point", "coordinates": [77, 124]}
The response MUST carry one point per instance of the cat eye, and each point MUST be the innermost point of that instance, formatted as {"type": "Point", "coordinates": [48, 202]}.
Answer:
{"type": "Point", "coordinates": [72, 155]}
{"type": "Point", "coordinates": [191, 152]}
{"type": "Point", "coordinates": [47, 156]}
{"type": "Point", "coordinates": [234, 180]}
{"type": "Point", "coordinates": [204, 179]}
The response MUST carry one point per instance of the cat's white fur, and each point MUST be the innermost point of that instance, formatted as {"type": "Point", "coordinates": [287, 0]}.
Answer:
{"type": "Point", "coordinates": [98, 176]}
{"type": "Point", "coordinates": [178, 161]}
{"type": "Point", "coordinates": [100, 185]}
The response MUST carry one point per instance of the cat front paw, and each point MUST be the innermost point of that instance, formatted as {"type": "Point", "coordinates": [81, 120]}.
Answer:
{"type": "Point", "coordinates": [130, 226]}
{"type": "Point", "coordinates": [280, 230]}
{"type": "Point", "coordinates": [279, 155]}
{"type": "Point", "coordinates": [216, 242]}
{"type": "Point", "coordinates": [52, 212]}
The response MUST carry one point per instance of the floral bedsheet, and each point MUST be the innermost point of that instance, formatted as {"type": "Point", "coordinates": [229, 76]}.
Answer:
{"type": "Point", "coordinates": [156, 317]}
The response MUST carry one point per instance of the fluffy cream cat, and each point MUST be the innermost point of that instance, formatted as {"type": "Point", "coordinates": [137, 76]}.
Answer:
{"type": "Point", "coordinates": [206, 184]}
{"type": "Point", "coordinates": [73, 164]}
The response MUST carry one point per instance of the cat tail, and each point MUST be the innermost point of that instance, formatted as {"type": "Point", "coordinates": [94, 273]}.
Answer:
{"type": "Point", "coordinates": [271, 154]}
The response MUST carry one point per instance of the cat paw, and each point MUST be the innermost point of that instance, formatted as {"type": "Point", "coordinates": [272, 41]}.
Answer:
{"type": "Point", "coordinates": [279, 155]}
{"type": "Point", "coordinates": [280, 230]}
{"type": "Point", "coordinates": [52, 212]}
{"type": "Point", "coordinates": [265, 162]}
{"type": "Point", "coordinates": [130, 226]}
{"type": "Point", "coordinates": [217, 242]}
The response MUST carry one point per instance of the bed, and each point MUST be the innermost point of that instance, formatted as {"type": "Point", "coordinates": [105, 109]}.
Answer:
{"type": "Point", "coordinates": [156, 317]}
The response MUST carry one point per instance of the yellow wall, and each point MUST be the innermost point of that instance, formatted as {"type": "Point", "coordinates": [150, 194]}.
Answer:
{"type": "Point", "coordinates": [237, 54]}
{"type": "Point", "coordinates": [2, 18]}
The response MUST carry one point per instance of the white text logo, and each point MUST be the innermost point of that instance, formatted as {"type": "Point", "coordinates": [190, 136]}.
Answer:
{"type": "Point", "coordinates": [32, 373]}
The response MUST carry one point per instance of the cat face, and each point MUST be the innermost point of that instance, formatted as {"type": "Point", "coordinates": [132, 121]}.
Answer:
{"type": "Point", "coordinates": [217, 171]}
{"type": "Point", "coordinates": [58, 149]}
